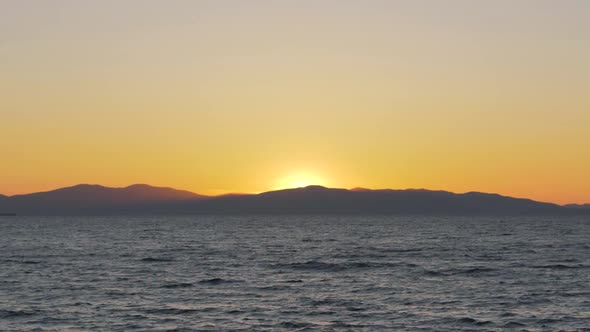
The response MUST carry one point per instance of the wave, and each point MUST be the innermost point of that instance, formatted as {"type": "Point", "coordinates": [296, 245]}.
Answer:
{"type": "Point", "coordinates": [318, 240]}
{"type": "Point", "coordinates": [398, 250]}
{"type": "Point", "coordinates": [469, 320]}
{"type": "Point", "coordinates": [376, 252]}
{"type": "Point", "coordinates": [458, 271]}
{"type": "Point", "coordinates": [432, 273]}
{"type": "Point", "coordinates": [274, 288]}
{"type": "Point", "coordinates": [156, 259]}
{"type": "Point", "coordinates": [116, 292]}
{"type": "Point", "coordinates": [217, 281]}
{"type": "Point", "coordinates": [475, 270]}
{"type": "Point", "coordinates": [293, 281]}
{"type": "Point", "coordinates": [17, 261]}
{"type": "Point", "coordinates": [513, 325]}
{"type": "Point", "coordinates": [172, 311]}
{"type": "Point", "coordinates": [548, 321]}
{"type": "Point", "coordinates": [15, 313]}
{"type": "Point", "coordinates": [559, 266]}
{"type": "Point", "coordinates": [347, 304]}
{"type": "Point", "coordinates": [295, 325]}
{"type": "Point", "coordinates": [178, 285]}
{"type": "Point", "coordinates": [313, 265]}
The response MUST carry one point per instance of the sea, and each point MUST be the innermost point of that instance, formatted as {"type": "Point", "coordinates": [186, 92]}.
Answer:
{"type": "Point", "coordinates": [294, 273]}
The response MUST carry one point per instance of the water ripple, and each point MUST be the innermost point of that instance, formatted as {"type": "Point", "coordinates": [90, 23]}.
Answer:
{"type": "Point", "coordinates": [313, 273]}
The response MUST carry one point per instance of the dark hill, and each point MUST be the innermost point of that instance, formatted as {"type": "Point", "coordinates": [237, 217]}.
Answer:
{"type": "Point", "coordinates": [87, 198]}
{"type": "Point", "coordinates": [143, 199]}
{"type": "Point", "coordinates": [316, 199]}
{"type": "Point", "coordinates": [321, 200]}
{"type": "Point", "coordinates": [578, 206]}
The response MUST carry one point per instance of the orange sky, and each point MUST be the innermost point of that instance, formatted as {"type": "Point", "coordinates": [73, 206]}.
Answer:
{"type": "Point", "coordinates": [235, 96]}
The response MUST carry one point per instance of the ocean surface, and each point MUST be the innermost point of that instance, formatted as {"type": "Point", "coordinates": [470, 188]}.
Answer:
{"type": "Point", "coordinates": [281, 273]}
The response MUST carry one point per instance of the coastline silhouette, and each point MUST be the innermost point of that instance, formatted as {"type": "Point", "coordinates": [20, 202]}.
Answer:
{"type": "Point", "coordinates": [141, 199]}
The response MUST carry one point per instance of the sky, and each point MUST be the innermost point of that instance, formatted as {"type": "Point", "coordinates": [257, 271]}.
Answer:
{"type": "Point", "coordinates": [247, 96]}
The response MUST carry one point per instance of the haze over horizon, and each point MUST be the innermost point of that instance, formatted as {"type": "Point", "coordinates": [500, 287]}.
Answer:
{"type": "Point", "coordinates": [228, 96]}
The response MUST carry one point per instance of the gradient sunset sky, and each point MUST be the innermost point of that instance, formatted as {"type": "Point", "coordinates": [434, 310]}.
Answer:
{"type": "Point", "coordinates": [248, 96]}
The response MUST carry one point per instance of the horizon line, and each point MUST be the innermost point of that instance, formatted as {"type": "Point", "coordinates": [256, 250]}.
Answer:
{"type": "Point", "coordinates": [357, 188]}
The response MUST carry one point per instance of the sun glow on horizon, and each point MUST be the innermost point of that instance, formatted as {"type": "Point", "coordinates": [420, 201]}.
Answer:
{"type": "Point", "coordinates": [300, 179]}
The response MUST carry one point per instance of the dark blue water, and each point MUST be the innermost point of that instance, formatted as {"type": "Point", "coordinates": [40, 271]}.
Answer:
{"type": "Point", "coordinates": [294, 273]}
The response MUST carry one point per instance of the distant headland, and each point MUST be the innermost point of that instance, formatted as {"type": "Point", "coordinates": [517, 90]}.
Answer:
{"type": "Point", "coordinates": [141, 199]}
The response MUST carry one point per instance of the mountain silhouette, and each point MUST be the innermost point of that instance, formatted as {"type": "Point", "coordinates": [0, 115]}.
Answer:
{"type": "Point", "coordinates": [89, 198]}
{"type": "Point", "coordinates": [144, 199]}
{"type": "Point", "coordinates": [578, 206]}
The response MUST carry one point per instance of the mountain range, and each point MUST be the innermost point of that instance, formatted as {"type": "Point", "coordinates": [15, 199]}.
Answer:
{"type": "Point", "coordinates": [578, 206]}
{"type": "Point", "coordinates": [141, 199]}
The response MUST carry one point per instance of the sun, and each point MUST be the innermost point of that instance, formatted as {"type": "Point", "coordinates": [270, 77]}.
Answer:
{"type": "Point", "coordinates": [298, 180]}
